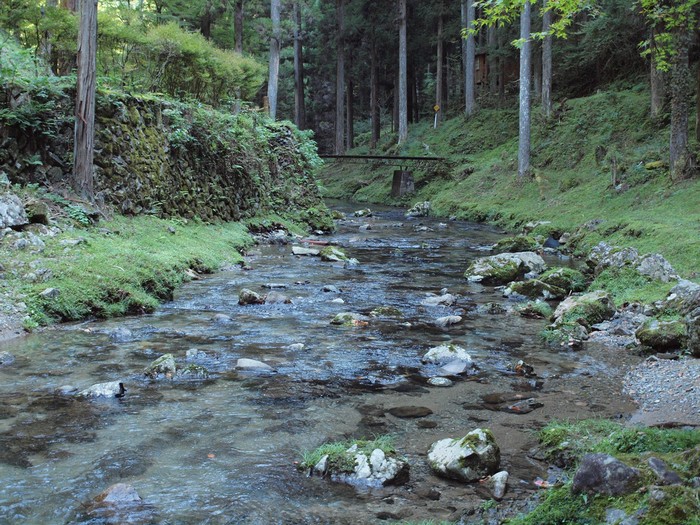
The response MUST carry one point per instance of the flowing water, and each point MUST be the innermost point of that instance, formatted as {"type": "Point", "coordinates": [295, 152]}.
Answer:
{"type": "Point", "coordinates": [222, 450]}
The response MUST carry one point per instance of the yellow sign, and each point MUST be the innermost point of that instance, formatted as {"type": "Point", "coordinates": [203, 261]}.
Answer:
{"type": "Point", "coordinates": [436, 108]}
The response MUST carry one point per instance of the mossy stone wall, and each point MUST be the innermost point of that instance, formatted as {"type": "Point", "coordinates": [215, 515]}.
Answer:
{"type": "Point", "coordinates": [162, 157]}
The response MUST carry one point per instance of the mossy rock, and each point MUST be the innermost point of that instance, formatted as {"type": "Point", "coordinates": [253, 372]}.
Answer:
{"type": "Point", "coordinates": [565, 334]}
{"type": "Point", "coordinates": [567, 279]}
{"type": "Point", "coordinates": [387, 311]}
{"type": "Point", "coordinates": [333, 254]}
{"type": "Point", "coordinates": [163, 366]}
{"type": "Point", "coordinates": [519, 243]}
{"type": "Point", "coordinates": [504, 268]}
{"type": "Point", "coordinates": [586, 310]}
{"type": "Point", "coordinates": [662, 335]}
{"type": "Point", "coordinates": [536, 288]}
{"type": "Point", "coordinates": [349, 319]}
{"type": "Point", "coordinates": [318, 218]}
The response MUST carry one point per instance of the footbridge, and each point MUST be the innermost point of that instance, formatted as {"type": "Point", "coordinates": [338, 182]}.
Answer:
{"type": "Point", "coordinates": [402, 182]}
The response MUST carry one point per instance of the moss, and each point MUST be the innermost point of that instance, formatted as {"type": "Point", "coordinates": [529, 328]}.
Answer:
{"type": "Point", "coordinates": [662, 335]}
{"type": "Point", "coordinates": [519, 243]}
{"type": "Point", "coordinates": [626, 285]}
{"type": "Point", "coordinates": [496, 273]}
{"type": "Point", "coordinates": [569, 279]}
{"type": "Point", "coordinates": [339, 459]}
{"type": "Point", "coordinates": [535, 288]}
{"type": "Point", "coordinates": [387, 311]}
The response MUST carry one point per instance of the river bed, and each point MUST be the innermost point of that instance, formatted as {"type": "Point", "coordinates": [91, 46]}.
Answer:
{"type": "Point", "coordinates": [222, 450]}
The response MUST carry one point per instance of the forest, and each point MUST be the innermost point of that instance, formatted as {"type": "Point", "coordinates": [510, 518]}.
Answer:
{"type": "Point", "coordinates": [218, 306]}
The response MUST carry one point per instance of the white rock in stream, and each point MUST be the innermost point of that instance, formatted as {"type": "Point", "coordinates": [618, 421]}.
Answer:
{"type": "Point", "coordinates": [456, 367]}
{"type": "Point", "coordinates": [440, 381]}
{"type": "Point", "coordinates": [468, 459]}
{"type": "Point", "coordinates": [251, 364]}
{"type": "Point", "coordinates": [439, 300]}
{"type": "Point", "coordinates": [300, 250]}
{"type": "Point", "coordinates": [110, 389]}
{"type": "Point", "coordinates": [448, 320]}
{"type": "Point", "coordinates": [446, 354]}
{"type": "Point", "coordinates": [499, 481]}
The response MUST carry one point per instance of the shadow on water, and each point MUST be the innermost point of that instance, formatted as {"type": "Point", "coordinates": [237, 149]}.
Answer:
{"type": "Point", "coordinates": [222, 449]}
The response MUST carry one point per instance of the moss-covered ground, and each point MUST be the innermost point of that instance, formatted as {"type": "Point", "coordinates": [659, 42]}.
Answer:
{"type": "Point", "coordinates": [598, 158]}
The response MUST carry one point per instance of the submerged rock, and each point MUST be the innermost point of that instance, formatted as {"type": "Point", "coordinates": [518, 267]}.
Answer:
{"type": "Point", "coordinates": [252, 364]}
{"type": "Point", "coordinates": [193, 372]}
{"type": "Point", "coordinates": [448, 320]}
{"type": "Point", "coordinates": [468, 459]}
{"type": "Point", "coordinates": [408, 412]}
{"type": "Point", "coordinates": [446, 299]}
{"type": "Point", "coordinates": [6, 359]}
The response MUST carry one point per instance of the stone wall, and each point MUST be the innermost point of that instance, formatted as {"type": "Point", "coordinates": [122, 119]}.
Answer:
{"type": "Point", "coordinates": [167, 158]}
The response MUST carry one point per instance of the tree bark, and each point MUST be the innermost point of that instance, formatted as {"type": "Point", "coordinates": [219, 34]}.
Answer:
{"type": "Point", "coordinates": [403, 98]}
{"type": "Point", "coordinates": [349, 110]}
{"type": "Point", "coordinates": [340, 79]}
{"type": "Point", "coordinates": [680, 157]}
{"type": "Point", "coordinates": [238, 26]}
{"type": "Point", "coordinates": [439, 73]}
{"type": "Point", "coordinates": [299, 104]}
{"type": "Point", "coordinates": [469, 68]}
{"type": "Point", "coordinates": [273, 80]}
{"type": "Point", "coordinates": [547, 62]}
{"type": "Point", "coordinates": [84, 139]}
{"type": "Point", "coordinates": [206, 21]}
{"type": "Point", "coordinates": [374, 96]}
{"type": "Point", "coordinates": [524, 128]}
{"type": "Point", "coordinates": [657, 84]}
{"type": "Point", "coordinates": [491, 61]}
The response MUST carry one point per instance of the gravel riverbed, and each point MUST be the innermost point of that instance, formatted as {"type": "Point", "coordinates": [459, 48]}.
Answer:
{"type": "Point", "coordinates": [667, 392]}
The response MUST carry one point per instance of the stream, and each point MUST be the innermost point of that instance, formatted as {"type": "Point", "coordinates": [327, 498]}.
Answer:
{"type": "Point", "coordinates": [222, 450]}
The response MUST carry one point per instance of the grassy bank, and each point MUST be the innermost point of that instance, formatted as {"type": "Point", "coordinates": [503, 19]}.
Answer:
{"type": "Point", "coordinates": [118, 266]}
{"type": "Point", "coordinates": [599, 158]}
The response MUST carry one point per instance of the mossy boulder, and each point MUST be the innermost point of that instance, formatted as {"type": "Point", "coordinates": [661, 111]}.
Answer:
{"type": "Point", "coordinates": [504, 267]}
{"type": "Point", "coordinates": [318, 218]}
{"type": "Point", "coordinates": [535, 289]}
{"type": "Point", "coordinates": [568, 279]}
{"type": "Point", "coordinates": [349, 319]}
{"type": "Point", "coordinates": [387, 311]}
{"type": "Point", "coordinates": [519, 243]}
{"type": "Point", "coordinates": [586, 310]}
{"type": "Point", "coordinates": [662, 335]}
{"type": "Point", "coordinates": [163, 366]}
{"type": "Point", "coordinates": [333, 254]}
{"type": "Point", "coordinates": [467, 459]}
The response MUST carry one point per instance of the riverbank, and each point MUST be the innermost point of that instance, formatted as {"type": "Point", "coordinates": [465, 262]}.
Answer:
{"type": "Point", "coordinates": [599, 170]}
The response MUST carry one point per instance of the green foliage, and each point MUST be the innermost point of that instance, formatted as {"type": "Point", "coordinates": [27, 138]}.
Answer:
{"type": "Point", "coordinates": [341, 460]}
{"type": "Point", "coordinates": [626, 285]}
{"type": "Point", "coordinates": [128, 266]}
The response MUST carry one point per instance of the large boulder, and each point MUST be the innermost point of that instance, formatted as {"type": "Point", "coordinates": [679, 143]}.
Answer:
{"type": "Point", "coordinates": [468, 459]}
{"type": "Point", "coordinates": [684, 297]}
{"type": "Point", "coordinates": [662, 335]}
{"type": "Point", "coordinates": [419, 209]}
{"type": "Point", "coordinates": [11, 211]}
{"type": "Point", "coordinates": [604, 474]}
{"type": "Point", "coordinates": [568, 279]}
{"type": "Point", "coordinates": [657, 268]}
{"type": "Point", "coordinates": [504, 267]}
{"type": "Point", "coordinates": [605, 256]}
{"type": "Point", "coordinates": [587, 309]}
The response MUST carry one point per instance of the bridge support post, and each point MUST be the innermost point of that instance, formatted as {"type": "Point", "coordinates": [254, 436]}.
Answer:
{"type": "Point", "coordinates": [402, 183]}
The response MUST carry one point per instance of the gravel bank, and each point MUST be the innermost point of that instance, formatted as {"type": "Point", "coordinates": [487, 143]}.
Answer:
{"type": "Point", "coordinates": [667, 392]}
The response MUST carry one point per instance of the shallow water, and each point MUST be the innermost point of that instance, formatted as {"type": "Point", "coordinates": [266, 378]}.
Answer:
{"type": "Point", "coordinates": [222, 450]}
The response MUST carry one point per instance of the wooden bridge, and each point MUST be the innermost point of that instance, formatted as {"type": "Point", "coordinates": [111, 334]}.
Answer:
{"type": "Point", "coordinates": [402, 182]}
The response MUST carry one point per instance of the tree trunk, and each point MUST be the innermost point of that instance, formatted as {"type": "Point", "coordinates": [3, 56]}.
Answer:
{"type": "Point", "coordinates": [349, 111]}
{"type": "Point", "coordinates": [439, 73]}
{"type": "Point", "coordinates": [697, 105]}
{"type": "Point", "coordinates": [46, 46]}
{"type": "Point", "coordinates": [536, 71]}
{"type": "Point", "coordinates": [374, 96]}
{"type": "Point", "coordinates": [238, 26]}
{"type": "Point", "coordinates": [403, 98]}
{"type": "Point", "coordinates": [84, 143]}
{"type": "Point", "coordinates": [680, 158]}
{"type": "Point", "coordinates": [501, 68]}
{"type": "Point", "coordinates": [657, 84]}
{"type": "Point", "coordinates": [340, 80]}
{"type": "Point", "coordinates": [469, 68]}
{"type": "Point", "coordinates": [71, 5]}
{"type": "Point", "coordinates": [524, 135]}
{"type": "Point", "coordinates": [299, 104]}
{"type": "Point", "coordinates": [206, 21]}
{"type": "Point", "coordinates": [547, 62]}
{"type": "Point", "coordinates": [273, 80]}
{"type": "Point", "coordinates": [491, 61]}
